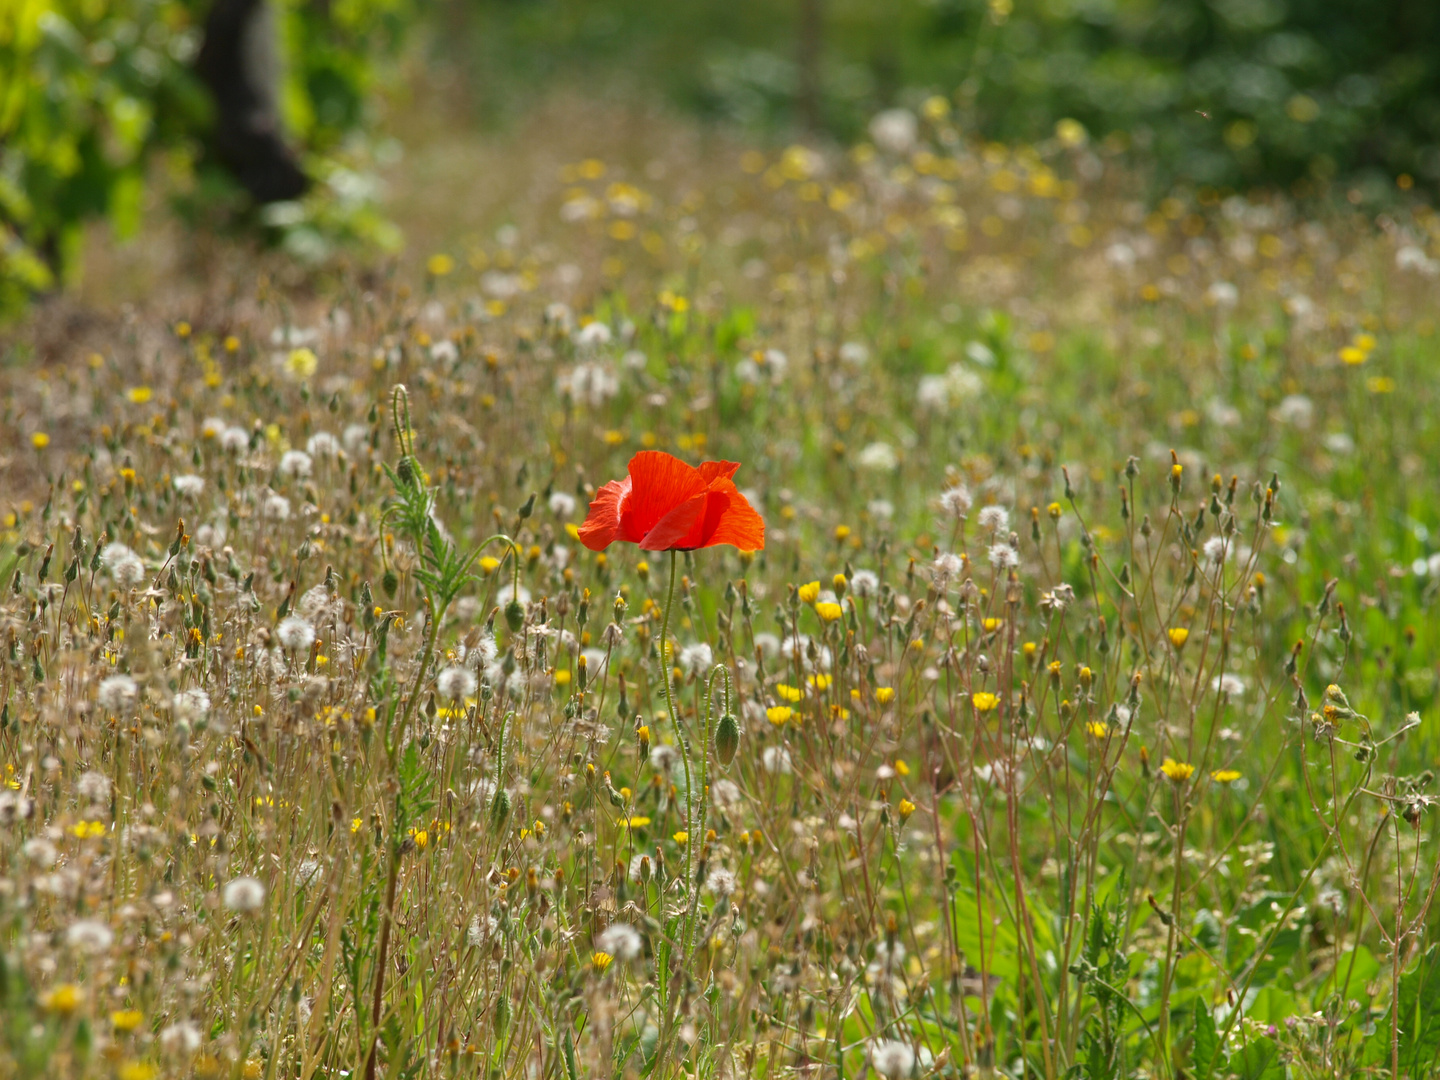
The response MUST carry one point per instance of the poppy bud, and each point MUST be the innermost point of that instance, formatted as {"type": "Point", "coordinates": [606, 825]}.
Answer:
{"type": "Point", "coordinates": [405, 471]}
{"type": "Point", "coordinates": [500, 809]}
{"type": "Point", "coordinates": [502, 1015]}
{"type": "Point", "coordinates": [727, 739]}
{"type": "Point", "coordinates": [390, 582]}
{"type": "Point", "coordinates": [514, 615]}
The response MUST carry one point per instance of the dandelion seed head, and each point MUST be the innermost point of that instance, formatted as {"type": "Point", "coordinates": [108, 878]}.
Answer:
{"type": "Point", "coordinates": [456, 683]}
{"type": "Point", "coordinates": [295, 464]}
{"type": "Point", "coordinates": [620, 940]}
{"type": "Point", "coordinates": [1004, 557]}
{"type": "Point", "coordinates": [189, 485]}
{"type": "Point", "coordinates": [296, 634]}
{"type": "Point", "coordinates": [865, 583]}
{"type": "Point", "coordinates": [118, 693]}
{"type": "Point", "coordinates": [995, 519]}
{"type": "Point", "coordinates": [892, 1059]}
{"type": "Point", "coordinates": [93, 786]}
{"type": "Point", "coordinates": [123, 565]}
{"type": "Point", "coordinates": [956, 501]}
{"type": "Point", "coordinates": [244, 895]}
{"type": "Point", "coordinates": [696, 659]}
{"type": "Point", "coordinates": [89, 936]}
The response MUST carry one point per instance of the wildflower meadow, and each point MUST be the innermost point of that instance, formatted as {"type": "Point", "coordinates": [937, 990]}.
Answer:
{"type": "Point", "coordinates": [920, 608]}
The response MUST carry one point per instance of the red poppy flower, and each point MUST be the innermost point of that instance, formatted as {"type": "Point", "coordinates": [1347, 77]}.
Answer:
{"type": "Point", "coordinates": [665, 505]}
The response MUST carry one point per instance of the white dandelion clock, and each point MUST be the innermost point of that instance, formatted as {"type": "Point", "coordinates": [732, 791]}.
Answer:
{"type": "Point", "coordinates": [295, 634]}
{"type": "Point", "coordinates": [245, 895]}
{"type": "Point", "coordinates": [118, 693]}
{"type": "Point", "coordinates": [89, 936]}
{"type": "Point", "coordinates": [456, 683]}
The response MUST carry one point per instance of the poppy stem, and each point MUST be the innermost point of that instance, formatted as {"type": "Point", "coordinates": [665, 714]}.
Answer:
{"type": "Point", "coordinates": [662, 1053]}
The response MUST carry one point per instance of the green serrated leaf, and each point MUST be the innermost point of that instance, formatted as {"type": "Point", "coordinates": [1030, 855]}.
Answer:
{"type": "Point", "coordinates": [1419, 1014]}
{"type": "Point", "coordinates": [1207, 1043]}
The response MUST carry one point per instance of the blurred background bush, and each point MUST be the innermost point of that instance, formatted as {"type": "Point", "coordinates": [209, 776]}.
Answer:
{"type": "Point", "coordinates": [1313, 97]}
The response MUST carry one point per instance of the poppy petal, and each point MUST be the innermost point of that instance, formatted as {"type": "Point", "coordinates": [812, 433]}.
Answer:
{"type": "Point", "coordinates": [660, 482]}
{"type": "Point", "coordinates": [730, 519]}
{"type": "Point", "coordinates": [710, 471]}
{"type": "Point", "coordinates": [602, 524]}
{"type": "Point", "coordinates": [681, 528]}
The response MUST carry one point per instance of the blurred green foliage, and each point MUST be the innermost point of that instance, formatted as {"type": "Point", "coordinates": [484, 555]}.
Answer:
{"type": "Point", "coordinates": [1227, 93]}
{"type": "Point", "coordinates": [92, 90]}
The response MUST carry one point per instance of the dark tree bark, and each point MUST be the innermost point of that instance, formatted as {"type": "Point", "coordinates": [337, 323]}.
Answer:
{"type": "Point", "coordinates": [237, 63]}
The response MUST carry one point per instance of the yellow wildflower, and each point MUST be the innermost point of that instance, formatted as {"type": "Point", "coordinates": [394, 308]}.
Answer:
{"type": "Point", "coordinates": [64, 999]}
{"type": "Point", "coordinates": [984, 701]}
{"type": "Point", "coordinates": [126, 1019]}
{"type": "Point", "coordinates": [1176, 771]}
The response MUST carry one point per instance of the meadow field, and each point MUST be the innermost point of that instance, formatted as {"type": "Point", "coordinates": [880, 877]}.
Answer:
{"type": "Point", "coordinates": [1077, 717]}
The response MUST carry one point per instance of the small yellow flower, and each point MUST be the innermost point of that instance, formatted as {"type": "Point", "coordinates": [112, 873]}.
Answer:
{"type": "Point", "coordinates": [182, 329]}
{"type": "Point", "coordinates": [906, 808]}
{"type": "Point", "coordinates": [1225, 776]}
{"type": "Point", "coordinates": [820, 682]}
{"type": "Point", "coordinates": [901, 769]}
{"type": "Point", "coordinates": [638, 821]}
{"type": "Point", "coordinates": [601, 960]}
{"type": "Point", "coordinates": [1054, 510]}
{"type": "Point", "coordinates": [1176, 771]}
{"type": "Point", "coordinates": [126, 1019]}
{"type": "Point", "coordinates": [788, 693]}
{"type": "Point", "coordinates": [809, 592]}
{"type": "Point", "coordinates": [355, 824]}
{"type": "Point", "coordinates": [842, 532]}
{"type": "Point", "coordinates": [1178, 636]}
{"type": "Point", "coordinates": [39, 440]}
{"type": "Point", "coordinates": [829, 611]}
{"type": "Point", "coordinates": [562, 677]}
{"type": "Point", "coordinates": [232, 344]}
{"type": "Point", "coordinates": [440, 264]}
{"type": "Point", "coordinates": [302, 362]}
{"type": "Point", "coordinates": [421, 838]}
{"type": "Point", "coordinates": [1097, 729]}
{"type": "Point", "coordinates": [984, 701]}
{"type": "Point", "coordinates": [884, 694]}
{"type": "Point", "coordinates": [138, 1070]}
{"type": "Point", "coordinates": [488, 564]}
{"type": "Point", "coordinates": [139, 395]}
{"type": "Point", "coordinates": [682, 837]}
{"type": "Point", "coordinates": [64, 999]}
{"type": "Point", "coordinates": [1353, 356]}
{"type": "Point", "coordinates": [779, 715]}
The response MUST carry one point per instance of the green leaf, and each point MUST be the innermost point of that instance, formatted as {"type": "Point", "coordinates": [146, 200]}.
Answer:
{"type": "Point", "coordinates": [1260, 1060]}
{"type": "Point", "coordinates": [1419, 1015]}
{"type": "Point", "coordinates": [1207, 1043]}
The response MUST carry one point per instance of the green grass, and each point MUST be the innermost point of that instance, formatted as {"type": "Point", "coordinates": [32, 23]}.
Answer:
{"type": "Point", "coordinates": [999, 830]}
